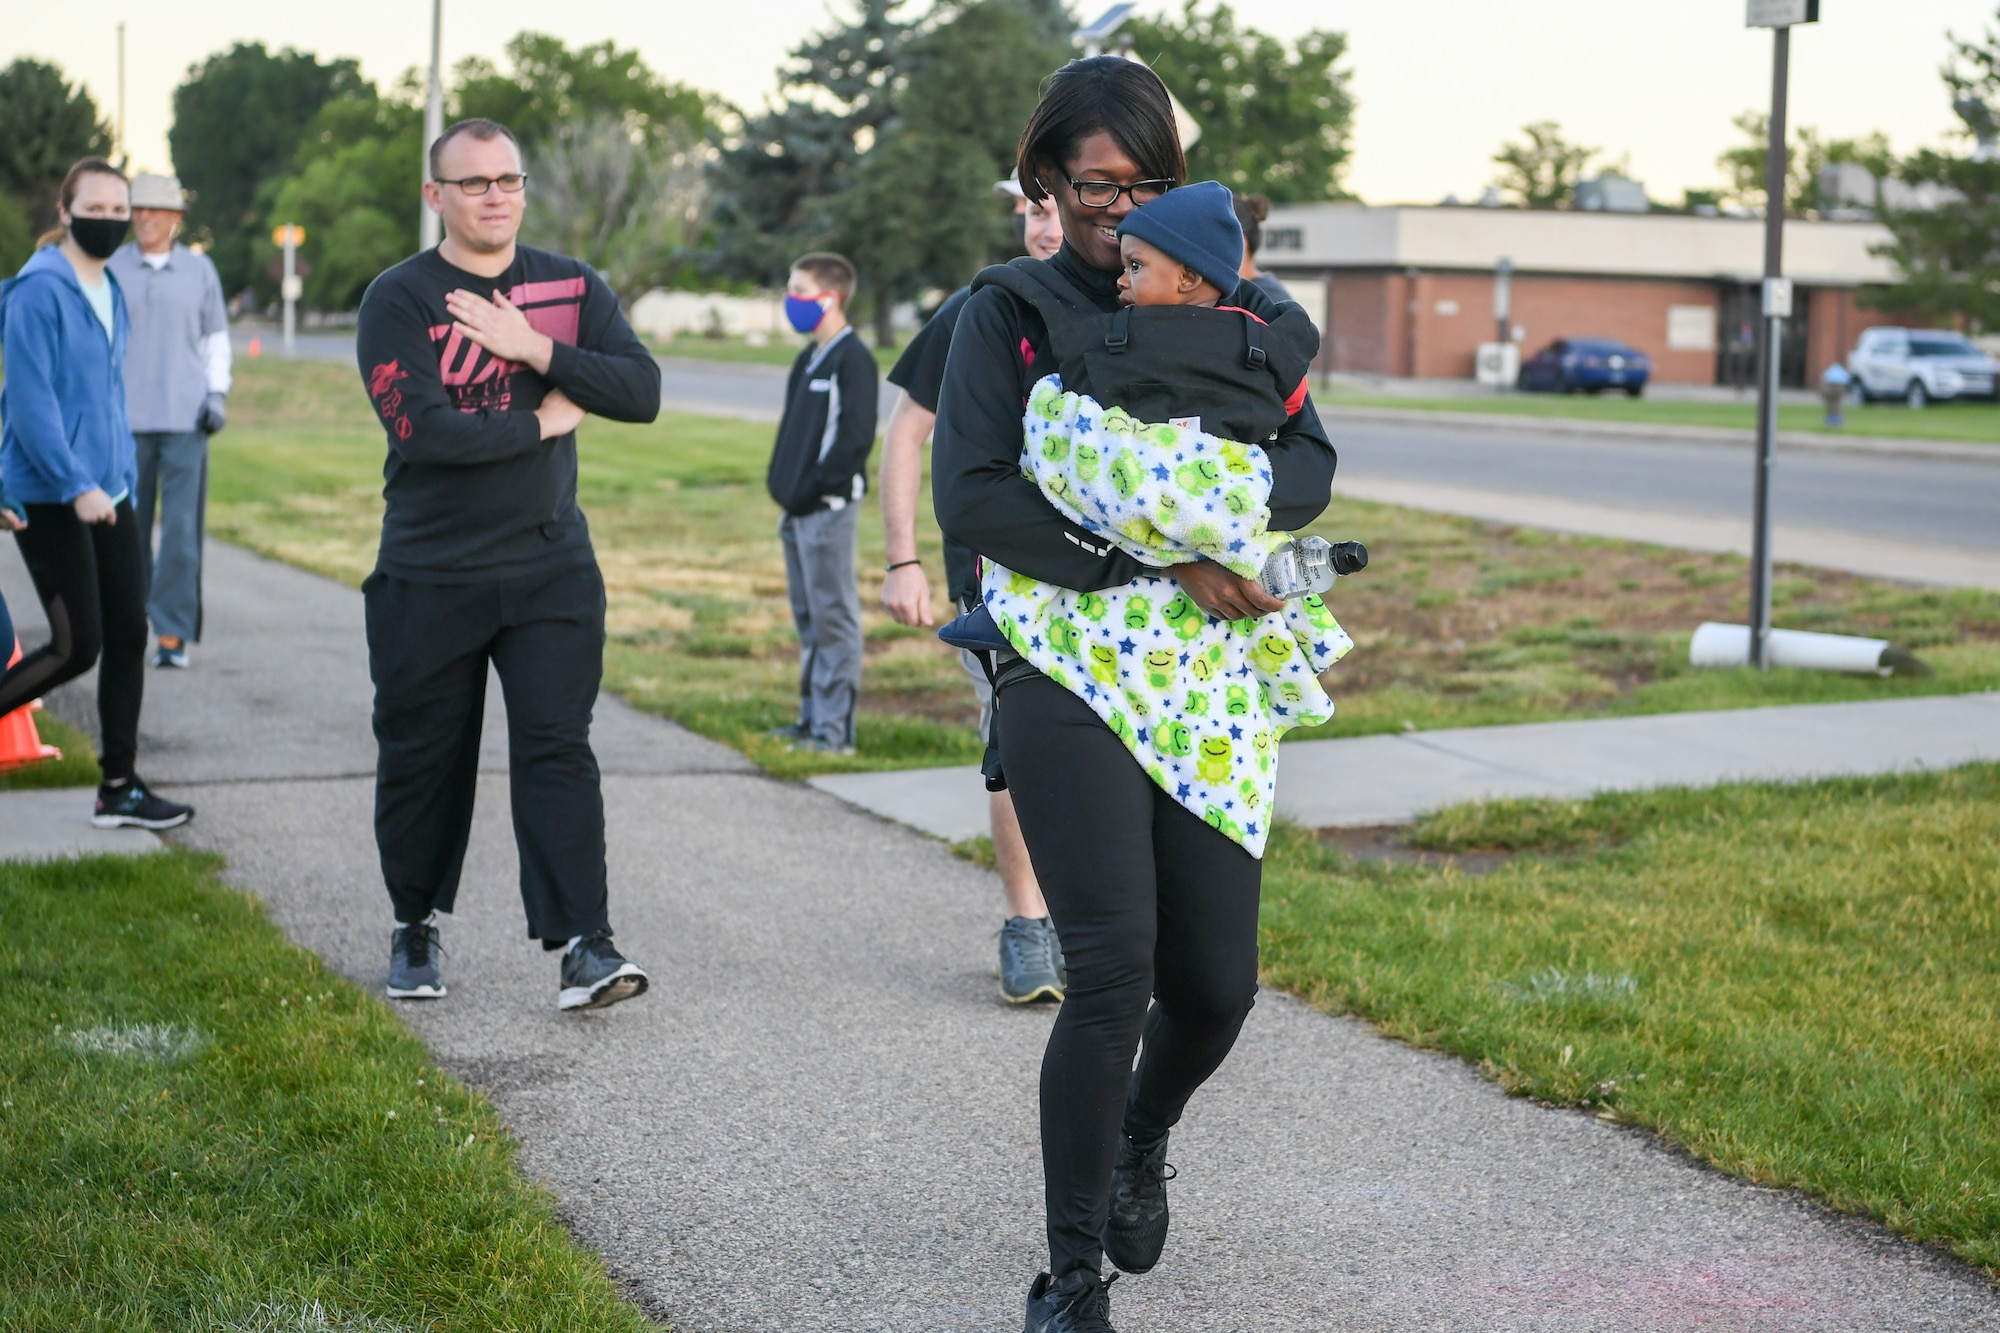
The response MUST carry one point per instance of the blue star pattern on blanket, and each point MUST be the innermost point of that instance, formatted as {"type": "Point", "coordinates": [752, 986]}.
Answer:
{"type": "Point", "coordinates": [1200, 702]}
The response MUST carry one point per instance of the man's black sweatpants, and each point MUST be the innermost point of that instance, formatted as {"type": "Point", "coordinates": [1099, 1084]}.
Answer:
{"type": "Point", "coordinates": [428, 646]}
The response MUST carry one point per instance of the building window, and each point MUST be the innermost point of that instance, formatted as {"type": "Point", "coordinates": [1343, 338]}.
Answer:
{"type": "Point", "coordinates": [1284, 238]}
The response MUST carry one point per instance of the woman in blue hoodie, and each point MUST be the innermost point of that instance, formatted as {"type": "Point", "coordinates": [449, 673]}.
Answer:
{"type": "Point", "coordinates": [67, 462]}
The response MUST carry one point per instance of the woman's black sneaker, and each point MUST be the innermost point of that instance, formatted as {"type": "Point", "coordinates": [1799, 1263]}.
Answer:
{"type": "Point", "coordinates": [595, 974]}
{"type": "Point", "coordinates": [1080, 1303]}
{"type": "Point", "coordinates": [133, 806]}
{"type": "Point", "coordinates": [1135, 1227]}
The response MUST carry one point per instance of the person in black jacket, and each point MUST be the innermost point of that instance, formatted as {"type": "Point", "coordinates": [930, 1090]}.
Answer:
{"type": "Point", "coordinates": [481, 357]}
{"type": "Point", "coordinates": [1157, 910]}
{"type": "Point", "coordinates": [818, 472]}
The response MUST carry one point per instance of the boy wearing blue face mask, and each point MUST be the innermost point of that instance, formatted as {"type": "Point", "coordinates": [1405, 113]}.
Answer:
{"type": "Point", "coordinates": [819, 470]}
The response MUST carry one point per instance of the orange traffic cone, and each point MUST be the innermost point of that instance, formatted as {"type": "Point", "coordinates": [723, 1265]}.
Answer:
{"type": "Point", "coordinates": [20, 743]}
{"type": "Point", "coordinates": [256, 347]}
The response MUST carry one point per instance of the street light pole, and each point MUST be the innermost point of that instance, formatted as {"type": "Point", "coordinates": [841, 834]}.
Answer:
{"type": "Point", "coordinates": [428, 224]}
{"type": "Point", "coordinates": [1779, 16]}
{"type": "Point", "coordinates": [1777, 304]}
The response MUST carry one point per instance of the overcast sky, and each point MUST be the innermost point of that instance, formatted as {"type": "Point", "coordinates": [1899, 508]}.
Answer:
{"type": "Point", "coordinates": [1440, 82]}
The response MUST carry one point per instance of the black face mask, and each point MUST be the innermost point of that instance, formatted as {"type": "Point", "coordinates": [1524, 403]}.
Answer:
{"type": "Point", "coordinates": [99, 237]}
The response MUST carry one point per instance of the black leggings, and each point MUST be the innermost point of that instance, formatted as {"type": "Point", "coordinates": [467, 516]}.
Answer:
{"type": "Point", "coordinates": [1150, 903]}
{"type": "Point", "coordinates": [91, 578]}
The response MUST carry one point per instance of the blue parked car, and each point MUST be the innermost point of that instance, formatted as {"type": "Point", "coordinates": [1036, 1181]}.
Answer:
{"type": "Point", "coordinates": [1591, 365]}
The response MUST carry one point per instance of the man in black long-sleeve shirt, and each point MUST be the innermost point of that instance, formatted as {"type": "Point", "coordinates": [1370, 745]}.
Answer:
{"type": "Point", "coordinates": [481, 357]}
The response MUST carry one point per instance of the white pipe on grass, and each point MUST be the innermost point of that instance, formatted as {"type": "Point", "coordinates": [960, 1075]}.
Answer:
{"type": "Point", "coordinates": [1720, 645]}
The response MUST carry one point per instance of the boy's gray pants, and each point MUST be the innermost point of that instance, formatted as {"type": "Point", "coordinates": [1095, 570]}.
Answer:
{"type": "Point", "coordinates": [173, 465]}
{"type": "Point", "coordinates": [826, 608]}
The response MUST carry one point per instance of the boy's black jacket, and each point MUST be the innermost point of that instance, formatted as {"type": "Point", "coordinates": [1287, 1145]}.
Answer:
{"type": "Point", "coordinates": [471, 491]}
{"type": "Point", "coordinates": [828, 426]}
{"type": "Point", "coordinates": [998, 350]}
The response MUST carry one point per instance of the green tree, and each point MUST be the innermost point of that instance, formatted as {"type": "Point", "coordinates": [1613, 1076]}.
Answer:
{"type": "Point", "coordinates": [1275, 120]}
{"type": "Point", "coordinates": [48, 125]}
{"type": "Point", "coordinates": [1949, 255]}
{"type": "Point", "coordinates": [1808, 154]}
{"type": "Point", "coordinates": [1542, 171]}
{"type": "Point", "coordinates": [624, 202]}
{"type": "Point", "coordinates": [238, 120]}
{"type": "Point", "coordinates": [353, 188]}
{"type": "Point", "coordinates": [920, 212]}
{"type": "Point", "coordinates": [17, 237]}
{"type": "Point", "coordinates": [775, 180]}
{"type": "Point", "coordinates": [548, 87]}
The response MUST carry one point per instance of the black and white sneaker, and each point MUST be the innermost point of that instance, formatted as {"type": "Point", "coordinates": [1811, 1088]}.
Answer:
{"type": "Point", "coordinates": [413, 962]}
{"type": "Point", "coordinates": [133, 806]}
{"type": "Point", "coordinates": [595, 974]}
{"type": "Point", "coordinates": [1135, 1227]}
{"type": "Point", "coordinates": [1080, 1303]}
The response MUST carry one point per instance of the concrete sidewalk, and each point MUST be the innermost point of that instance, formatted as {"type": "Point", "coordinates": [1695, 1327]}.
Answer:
{"type": "Point", "coordinates": [1393, 779]}
{"type": "Point", "coordinates": [822, 1118]}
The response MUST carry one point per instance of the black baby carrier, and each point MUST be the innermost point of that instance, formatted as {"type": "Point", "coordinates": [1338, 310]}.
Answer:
{"type": "Point", "coordinates": [1163, 362]}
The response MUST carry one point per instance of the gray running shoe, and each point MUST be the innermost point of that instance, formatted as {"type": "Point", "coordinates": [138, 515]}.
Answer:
{"type": "Point", "coordinates": [1030, 966]}
{"type": "Point", "coordinates": [595, 974]}
{"type": "Point", "coordinates": [413, 963]}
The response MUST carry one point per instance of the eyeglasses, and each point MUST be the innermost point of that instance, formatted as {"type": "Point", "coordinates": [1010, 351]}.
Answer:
{"type": "Point", "coordinates": [476, 186]}
{"type": "Point", "coordinates": [1103, 194]}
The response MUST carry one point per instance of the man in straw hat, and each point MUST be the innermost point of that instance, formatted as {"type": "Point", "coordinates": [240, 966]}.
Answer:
{"type": "Point", "coordinates": [176, 380]}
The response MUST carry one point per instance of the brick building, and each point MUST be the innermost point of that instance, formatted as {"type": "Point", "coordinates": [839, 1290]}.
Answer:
{"type": "Point", "coordinates": [1409, 290]}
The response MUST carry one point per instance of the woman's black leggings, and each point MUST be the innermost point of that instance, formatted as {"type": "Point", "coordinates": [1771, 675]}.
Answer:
{"type": "Point", "coordinates": [91, 578]}
{"type": "Point", "coordinates": [1151, 904]}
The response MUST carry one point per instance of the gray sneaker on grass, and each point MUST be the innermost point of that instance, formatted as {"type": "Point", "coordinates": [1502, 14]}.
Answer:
{"type": "Point", "coordinates": [1030, 961]}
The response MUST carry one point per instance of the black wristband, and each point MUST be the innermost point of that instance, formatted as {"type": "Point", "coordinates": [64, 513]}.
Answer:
{"type": "Point", "coordinates": [890, 569]}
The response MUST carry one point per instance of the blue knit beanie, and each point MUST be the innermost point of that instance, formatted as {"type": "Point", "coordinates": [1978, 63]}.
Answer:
{"type": "Point", "coordinates": [1195, 225]}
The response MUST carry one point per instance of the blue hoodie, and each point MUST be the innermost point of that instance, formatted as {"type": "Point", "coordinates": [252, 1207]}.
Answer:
{"type": "Point", "coordinates": [63, 429]}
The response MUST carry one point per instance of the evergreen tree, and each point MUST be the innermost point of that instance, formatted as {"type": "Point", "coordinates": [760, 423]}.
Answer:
{"type": "Point", "coordinates": [1949, 256]}
{"type": "Point", "coordinates": [49, 125]}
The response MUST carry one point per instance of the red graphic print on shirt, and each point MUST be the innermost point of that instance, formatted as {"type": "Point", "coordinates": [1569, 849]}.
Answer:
{"type": "Point", "coordinates": [473, 376]}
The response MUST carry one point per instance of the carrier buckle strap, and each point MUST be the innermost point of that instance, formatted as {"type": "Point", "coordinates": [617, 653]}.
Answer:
{"type": "Point", "coordinates": [1255, 358]}
{"type": "Point", "coordinates": [1120, 336]}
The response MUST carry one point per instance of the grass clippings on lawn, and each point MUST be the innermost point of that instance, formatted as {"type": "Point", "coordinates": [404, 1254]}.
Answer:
{"type": "Point", "coordinates": [201, 1128]}
{"type": "Point", "coordinates": [1458, 623]}
{"type": "Point", "coordinates": [1799, 984]}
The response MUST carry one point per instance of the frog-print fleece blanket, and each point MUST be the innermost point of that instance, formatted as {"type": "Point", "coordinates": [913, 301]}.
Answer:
{"type": "Point", "coordinates": [1200, 702]}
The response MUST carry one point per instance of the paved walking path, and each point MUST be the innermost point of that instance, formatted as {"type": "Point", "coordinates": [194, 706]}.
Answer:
{"type": "Point", "coordinates": [1374, 780]}
{"type": "Point", "coordinates": [822, 1118]}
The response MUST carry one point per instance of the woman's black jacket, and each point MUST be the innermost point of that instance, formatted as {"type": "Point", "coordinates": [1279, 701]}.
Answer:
{"type": "Point", "coordinates": [998, 351]}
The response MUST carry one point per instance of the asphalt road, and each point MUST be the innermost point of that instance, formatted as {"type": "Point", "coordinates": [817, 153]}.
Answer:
{"type": "Point", "coordinates": [1907, 499]}
{"type": "Point", "coordinates": [822, 1117]}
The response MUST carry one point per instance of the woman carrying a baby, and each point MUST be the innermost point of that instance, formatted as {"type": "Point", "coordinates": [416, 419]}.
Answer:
{"type": "Point", "coordinates": [1148, 675]}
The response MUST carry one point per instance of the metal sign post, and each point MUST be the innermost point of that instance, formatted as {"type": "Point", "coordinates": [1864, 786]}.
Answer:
{"type": "Point", "coordinates": [1777, 15]}
{"type": "Point", "coordinates": [290, 236]}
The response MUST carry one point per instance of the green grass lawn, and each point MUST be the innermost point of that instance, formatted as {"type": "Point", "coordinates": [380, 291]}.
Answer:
{"type": "Point", "coordinates": [1972, 423]}
{"type": "Point", "coordinates": [202, 1128]}
{"type": "Point", "coordinates": [1799, 984]}
{"type": "Point", "coordinates": [1457, 623]}
{"type": "Point", "coordinates": [781, 350]}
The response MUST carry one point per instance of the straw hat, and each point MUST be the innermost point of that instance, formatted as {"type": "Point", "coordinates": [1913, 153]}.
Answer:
{"type": "Point", "coordinates": [150, 190]}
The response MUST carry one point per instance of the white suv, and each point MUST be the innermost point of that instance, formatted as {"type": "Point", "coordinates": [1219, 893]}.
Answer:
{"type": "Point", "coordinates": [1920, 365]}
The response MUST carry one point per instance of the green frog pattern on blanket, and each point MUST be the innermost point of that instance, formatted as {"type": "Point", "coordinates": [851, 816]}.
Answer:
{"type": "Point", "coordinates": [1201, 703]}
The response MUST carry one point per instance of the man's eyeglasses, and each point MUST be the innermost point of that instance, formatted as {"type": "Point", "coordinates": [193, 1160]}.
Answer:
{"type": "Point", "coordinates": [475, 186]}
{"type": "Point", "coordinates": [1103, 194]}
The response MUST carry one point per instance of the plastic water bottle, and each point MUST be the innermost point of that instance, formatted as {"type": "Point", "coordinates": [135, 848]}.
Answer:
{"type": "Point", "coordinates": [1310, 564]}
